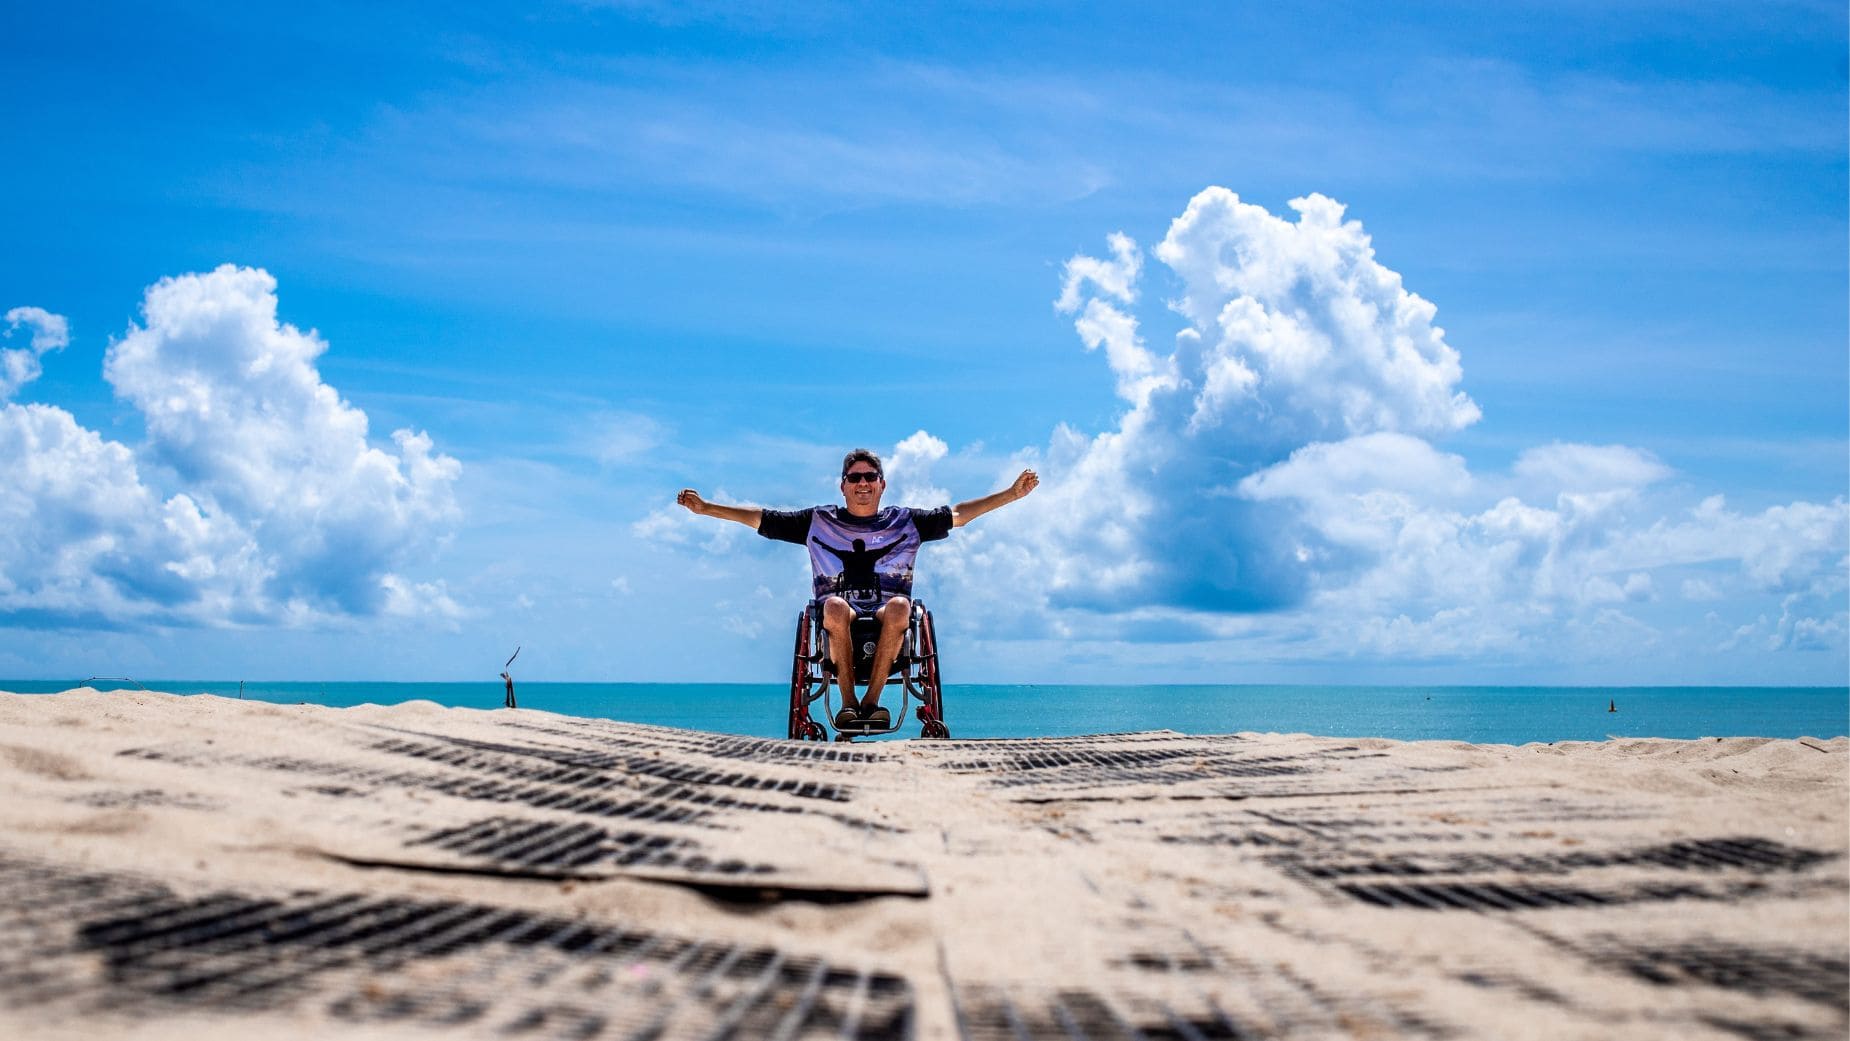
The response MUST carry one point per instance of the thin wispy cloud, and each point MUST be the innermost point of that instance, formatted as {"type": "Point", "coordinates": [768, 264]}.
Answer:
{"type": "Point", "coordinates": [788, 139]}
{"type": "Point", "coordinates": [793, 137]}
{"type": "Point", "coordinates": [617, 438]}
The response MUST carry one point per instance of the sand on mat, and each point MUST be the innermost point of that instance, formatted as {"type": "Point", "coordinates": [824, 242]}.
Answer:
{"type": "Point", "coordinates": [204, 867]}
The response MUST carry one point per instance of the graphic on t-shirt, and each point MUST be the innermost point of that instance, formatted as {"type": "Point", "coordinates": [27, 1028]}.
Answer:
{"type": "Point", "coordinates": [858, 574]}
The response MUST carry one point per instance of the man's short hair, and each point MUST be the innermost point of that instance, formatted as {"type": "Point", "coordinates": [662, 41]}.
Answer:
{"type": "Point", "coordinates": [862, 455]}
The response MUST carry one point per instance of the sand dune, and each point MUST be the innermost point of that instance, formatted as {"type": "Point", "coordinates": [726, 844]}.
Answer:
{"type": "Point", "coordinates": [204, 867]}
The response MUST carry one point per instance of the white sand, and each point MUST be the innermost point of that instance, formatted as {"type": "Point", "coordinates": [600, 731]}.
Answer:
{"type": "Point", "coordinates": [205, 867]}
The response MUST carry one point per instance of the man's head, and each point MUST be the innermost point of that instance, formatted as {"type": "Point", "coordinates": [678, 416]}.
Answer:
{"type": "Point", "coordinates": [863, 481]}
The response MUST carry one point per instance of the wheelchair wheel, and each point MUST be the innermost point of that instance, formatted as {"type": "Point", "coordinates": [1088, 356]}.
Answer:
{"type": "Point", "coordinates": [802, 727]}
{"type": "Point", "coordinates": [931, 711]}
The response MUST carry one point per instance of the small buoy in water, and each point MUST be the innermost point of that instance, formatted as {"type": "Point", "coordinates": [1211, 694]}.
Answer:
{"type": "Point", "coordinates": [1611, 705]}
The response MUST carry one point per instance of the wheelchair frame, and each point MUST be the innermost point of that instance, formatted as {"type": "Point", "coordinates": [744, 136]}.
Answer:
{"type": "Point", "coordinates": [915, 667]}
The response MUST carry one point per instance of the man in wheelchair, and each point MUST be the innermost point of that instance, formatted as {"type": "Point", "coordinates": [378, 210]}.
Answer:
{"type": "Point", "coordinates": [861, 557]}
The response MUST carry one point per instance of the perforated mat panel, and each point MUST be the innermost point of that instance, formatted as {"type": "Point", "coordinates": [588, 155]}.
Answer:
{"type": "Point", "coordinates": [575, 800]}
{"type": "Point", "coordinates": [121, 948]}
{"type": "Point", "coordinates": [197, 869]}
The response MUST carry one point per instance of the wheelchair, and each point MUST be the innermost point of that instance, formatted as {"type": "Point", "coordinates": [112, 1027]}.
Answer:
{"type": "Point", "coordinates": [915, 668]}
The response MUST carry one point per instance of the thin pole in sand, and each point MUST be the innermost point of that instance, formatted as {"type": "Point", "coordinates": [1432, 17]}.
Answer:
{"type": "Point", "coordinates": [508, 677]}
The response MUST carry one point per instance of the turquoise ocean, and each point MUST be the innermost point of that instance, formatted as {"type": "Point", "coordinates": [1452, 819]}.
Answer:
{"type": "Point", "coordinates": [1499, 715]}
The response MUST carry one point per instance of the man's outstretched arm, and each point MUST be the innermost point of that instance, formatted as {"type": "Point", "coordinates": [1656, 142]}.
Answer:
{"type": "Point", "coordinates": [965, 512]}
{"type": "Point", "coordinates": [746, 515]}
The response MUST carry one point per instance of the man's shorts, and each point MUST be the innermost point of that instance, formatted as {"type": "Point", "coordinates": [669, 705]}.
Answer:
{"type": "Point", "coordinates": [864, 605]}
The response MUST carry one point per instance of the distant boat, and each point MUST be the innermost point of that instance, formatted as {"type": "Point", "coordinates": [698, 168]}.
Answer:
{"type": "Point", "coordinates": [1611, 705]}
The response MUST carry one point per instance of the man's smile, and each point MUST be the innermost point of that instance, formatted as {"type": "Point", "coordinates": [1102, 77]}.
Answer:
{"type": "Point", "coordinates": [861, 490]}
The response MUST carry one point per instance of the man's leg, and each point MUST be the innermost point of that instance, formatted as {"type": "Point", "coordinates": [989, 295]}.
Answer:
{"type": "Point", "coordinates": [837, 618]}
{"type": "Point", "coordinates": [894, 616]}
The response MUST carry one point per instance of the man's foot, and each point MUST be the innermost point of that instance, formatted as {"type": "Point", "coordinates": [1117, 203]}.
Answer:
{"type": "Point", "coordinates": [877, 718]}
{"type": "Point", "coordinates": [849, 718]}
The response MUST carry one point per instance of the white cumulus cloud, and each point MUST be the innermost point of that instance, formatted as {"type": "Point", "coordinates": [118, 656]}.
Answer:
{"type": "Point", "coordinates": [908, 471]}
{"type": "Point", "coordinates": [20, 365]}
{"type": "Point", "coordinates": [1116, 278]}
{"type": "Point", "coordinates": [257, 494]}
{"type": "Point", "coordinates": [1274, 477]}
{"type": "Point", "coordinates": [1294, 335]}
{"type": "Point", "coordinates": [1326, 340]}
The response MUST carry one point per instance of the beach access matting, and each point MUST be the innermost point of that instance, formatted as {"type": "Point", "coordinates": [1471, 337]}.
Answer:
{"type": "Point", "coordinates": [205, 867]}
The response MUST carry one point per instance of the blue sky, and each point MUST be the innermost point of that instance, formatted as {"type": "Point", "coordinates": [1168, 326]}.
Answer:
{"type": "Point", "coordinates": [586, 253]}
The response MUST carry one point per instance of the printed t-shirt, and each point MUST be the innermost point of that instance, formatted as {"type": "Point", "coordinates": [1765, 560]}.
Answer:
{"type": "Point", "coordinates": [861, 558]}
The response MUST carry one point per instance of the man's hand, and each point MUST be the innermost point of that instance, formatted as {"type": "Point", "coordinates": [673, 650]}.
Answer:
{"type": "Point", "coordinates": [746, 515]}
{"type": "Point", "coordinates": [1027, 482]}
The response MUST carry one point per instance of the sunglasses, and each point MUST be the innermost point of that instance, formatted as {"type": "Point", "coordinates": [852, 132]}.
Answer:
{"type": "Point", "coordinates": [860, 477]}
